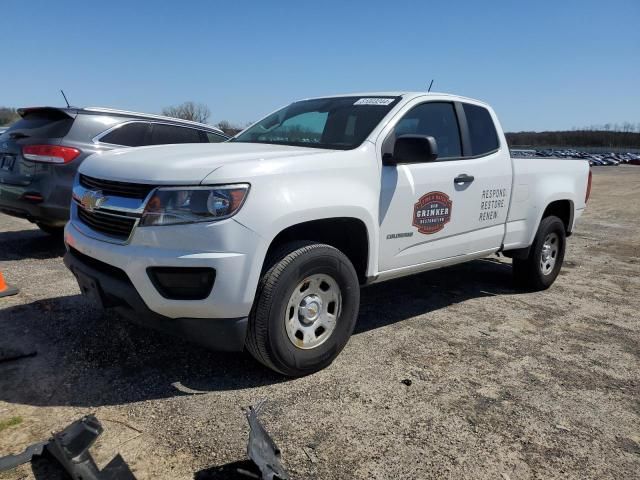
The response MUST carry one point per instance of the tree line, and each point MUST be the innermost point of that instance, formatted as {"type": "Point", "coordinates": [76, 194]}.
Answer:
{"type": "Point", "coordinates": [8, 115]}
{"type": "Point", "coordinates": [199, 112]}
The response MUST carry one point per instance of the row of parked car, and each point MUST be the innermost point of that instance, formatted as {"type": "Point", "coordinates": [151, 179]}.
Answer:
{"type": "Point", "coordinates": [606, 158]}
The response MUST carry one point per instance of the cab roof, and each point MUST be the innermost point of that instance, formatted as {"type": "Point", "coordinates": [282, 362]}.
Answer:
{"type": "Point", "coordinates": [407, 95]}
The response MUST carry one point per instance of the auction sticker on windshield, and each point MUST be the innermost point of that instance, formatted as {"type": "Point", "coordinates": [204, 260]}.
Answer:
{"type": "Point", "coordinates": [432, 212]}
{"type": "Point", "coordinates": [374, 101]}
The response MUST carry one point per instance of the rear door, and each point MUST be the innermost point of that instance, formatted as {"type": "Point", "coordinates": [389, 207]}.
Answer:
{"type": "Point", "coordinates": [454, 206]}
{"type": "Point", "coordinates": [36, 126]}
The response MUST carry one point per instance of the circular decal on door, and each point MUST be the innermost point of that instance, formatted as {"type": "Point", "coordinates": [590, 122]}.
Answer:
{"type": "Point", "coordinates": [432, 212]}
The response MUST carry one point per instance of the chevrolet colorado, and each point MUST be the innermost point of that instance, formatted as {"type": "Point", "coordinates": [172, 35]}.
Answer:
{"type": "Point", "coordinates": [263, 242]}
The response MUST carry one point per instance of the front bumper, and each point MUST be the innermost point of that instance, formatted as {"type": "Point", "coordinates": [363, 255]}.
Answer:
{"type": "Point", "coordinates": [115, 290]}
{"type": "Point", "coordinates": [232, 250]}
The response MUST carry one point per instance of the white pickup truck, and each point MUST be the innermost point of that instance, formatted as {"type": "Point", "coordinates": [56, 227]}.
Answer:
{"type": "Point", "coordinates": [263, 242]}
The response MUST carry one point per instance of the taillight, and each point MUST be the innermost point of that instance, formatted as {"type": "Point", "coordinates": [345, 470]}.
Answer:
{"type": "Point", "coordinates": [586, 198]}
{"type": "Point", "coordinates": [49, 153]}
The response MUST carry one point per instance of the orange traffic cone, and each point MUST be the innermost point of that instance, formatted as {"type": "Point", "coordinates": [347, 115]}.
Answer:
{"type": "Point", "coordinates": [6, 290]}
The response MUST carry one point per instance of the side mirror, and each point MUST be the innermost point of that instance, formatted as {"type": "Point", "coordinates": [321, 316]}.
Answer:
{"type": "Point", "coordinates": [412, 149]}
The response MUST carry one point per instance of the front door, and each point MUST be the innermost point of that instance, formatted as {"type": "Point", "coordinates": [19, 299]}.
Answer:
{"type": "Point", "coordinates": [451, 207]}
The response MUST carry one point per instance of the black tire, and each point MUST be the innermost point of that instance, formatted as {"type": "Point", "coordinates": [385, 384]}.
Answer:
{"type": "Point", "coordinates": [57, 232]}
{"type": "Point", "coordinates": [528, 272]}
{"type": "Point", "coordinates": [267, 337]}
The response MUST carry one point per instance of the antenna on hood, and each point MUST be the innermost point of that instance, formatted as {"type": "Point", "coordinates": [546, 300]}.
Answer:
{"type": "Point", "coordinates": [430, 85]}
{"type": "Point", "coordinates": [65, 98]}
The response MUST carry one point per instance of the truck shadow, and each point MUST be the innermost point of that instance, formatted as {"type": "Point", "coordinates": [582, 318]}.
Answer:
{"type": "Point", "coordinates": [390, 302]}
{"type": "Point", "coordinates": [86, 357]}
{"type": "Point", "coordinates": [30, 243]}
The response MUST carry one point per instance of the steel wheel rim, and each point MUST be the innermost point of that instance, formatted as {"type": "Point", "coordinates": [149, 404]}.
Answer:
{"type": "Point", "coordinates": [549, 254]}
{"type": "Point", "coordinates": [312, 311]}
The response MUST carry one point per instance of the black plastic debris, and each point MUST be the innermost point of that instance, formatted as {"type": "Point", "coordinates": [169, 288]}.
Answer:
{"type": "Point", "coordinates": [70, 448]}
{"type": "Point", "coordinates": [261, 449]}
{"type": "Point", "coordinates": [12, 461]}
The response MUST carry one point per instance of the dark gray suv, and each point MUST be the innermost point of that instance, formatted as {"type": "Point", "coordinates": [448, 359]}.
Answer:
{"type": "Point", "coordinates": [41, 152]}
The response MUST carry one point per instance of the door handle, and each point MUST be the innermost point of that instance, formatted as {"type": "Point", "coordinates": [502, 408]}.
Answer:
{"type": "Point", "coordinates": [463, 178]}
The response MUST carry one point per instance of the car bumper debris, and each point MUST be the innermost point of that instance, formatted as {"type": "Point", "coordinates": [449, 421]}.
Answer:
{"type": "Point", "coordinates": [262, 450]}
{"type": "Point", "coordinates": [70, 448]}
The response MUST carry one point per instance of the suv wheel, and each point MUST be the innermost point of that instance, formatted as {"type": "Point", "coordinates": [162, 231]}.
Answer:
{"type": "Point", "coordinates": [305, 309]}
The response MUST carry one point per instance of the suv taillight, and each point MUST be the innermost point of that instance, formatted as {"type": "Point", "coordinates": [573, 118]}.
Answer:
{"type": "Point", "coordinates": [586, 197]}
{"type": "Point", "coordinates": [49, 153]}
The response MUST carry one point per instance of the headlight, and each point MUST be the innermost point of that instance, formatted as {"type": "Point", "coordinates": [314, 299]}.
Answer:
{"type": "Point", "coordinates": [174, 205]}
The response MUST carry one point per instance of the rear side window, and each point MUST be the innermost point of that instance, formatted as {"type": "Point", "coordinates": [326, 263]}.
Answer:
{"type": "Point", "coordinates": [166, 134]}
{"type": "Point", "coordinates": [213, 138]}
{"type": "Point", "coordinates": [482, 131]}
{"type": "Point", "coordinates": [43, 124]}
{"type": "Point", "coordinates": [128, 135]}
{"type": "Point", "coordinates": [435, 119]}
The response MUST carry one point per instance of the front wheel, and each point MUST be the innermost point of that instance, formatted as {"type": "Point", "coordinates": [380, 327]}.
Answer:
{"type": "Point", "coordinates": [305, 309]}
{"type": "Point", "coordinates": [541, 267]}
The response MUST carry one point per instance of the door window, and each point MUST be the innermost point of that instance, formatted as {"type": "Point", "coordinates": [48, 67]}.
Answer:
{"type": "Point", "coordinates": [162, 134]}
{"type": "Point", "coordinates": [437, 120]}
{"type": "Point", "coordinates": [482, 131]}
{"type": "Point", "coordinates": [129, 135]}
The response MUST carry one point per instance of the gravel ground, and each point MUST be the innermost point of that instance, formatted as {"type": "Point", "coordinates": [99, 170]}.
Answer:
{"type": "Point", "coordinates": [450, 374]}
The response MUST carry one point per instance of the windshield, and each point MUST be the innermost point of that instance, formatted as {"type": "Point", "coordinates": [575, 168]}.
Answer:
{"type": "Point", "coordinates": [340, 123]}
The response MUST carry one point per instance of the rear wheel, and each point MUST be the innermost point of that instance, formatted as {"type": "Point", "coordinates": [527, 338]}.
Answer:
{"type": "Point", "coordinates": [51, 230]}
{"type": "Point", "coordinates": [305, 309]}
{"type": "Point", "coordinates": [541, 267]}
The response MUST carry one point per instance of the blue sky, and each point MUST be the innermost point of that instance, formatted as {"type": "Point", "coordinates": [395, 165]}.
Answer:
{"type": "Point", "coordinates": [541, 64]}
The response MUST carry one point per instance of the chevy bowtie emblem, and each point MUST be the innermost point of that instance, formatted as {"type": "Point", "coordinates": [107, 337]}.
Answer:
{"type": "Point", "coordinates": [92, 200]}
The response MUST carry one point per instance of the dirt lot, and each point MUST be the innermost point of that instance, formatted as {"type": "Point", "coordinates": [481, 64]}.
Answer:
{"type": "Point", "coordinates": [503, 384]}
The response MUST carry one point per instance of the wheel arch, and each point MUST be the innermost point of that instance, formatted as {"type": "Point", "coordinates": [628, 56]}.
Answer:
{"type": "Point", "coordinates": [561, 204]}
{"type": "Point", "coordinates": [350, 235]}
{"type": "Point", "coordinates": [564, 210]}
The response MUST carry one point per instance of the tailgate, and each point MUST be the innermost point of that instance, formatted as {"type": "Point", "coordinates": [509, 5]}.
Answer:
{"type": "Point", "coordinates": [13, 170]}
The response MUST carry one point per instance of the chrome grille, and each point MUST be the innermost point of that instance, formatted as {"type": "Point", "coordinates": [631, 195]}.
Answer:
{"type": "Point", "coordinates": [116, 189]}
{"type": "Point", "coordinates": [111, 224]}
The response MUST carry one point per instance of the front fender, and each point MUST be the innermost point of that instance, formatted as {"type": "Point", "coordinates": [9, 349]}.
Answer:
{"type": "Point", "coordinates": [288, 192]}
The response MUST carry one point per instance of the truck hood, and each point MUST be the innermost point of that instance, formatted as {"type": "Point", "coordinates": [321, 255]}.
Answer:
{"type": "Point", "coordinates": [182, 164]}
